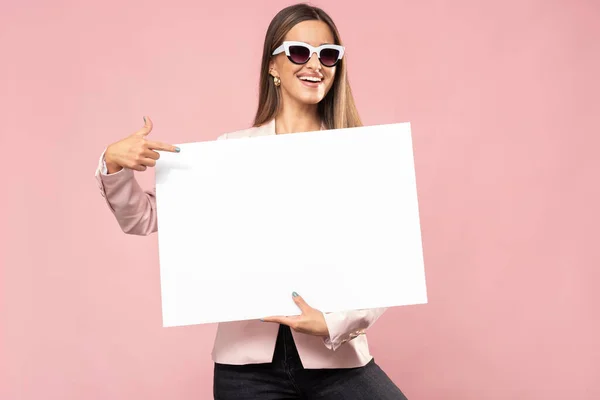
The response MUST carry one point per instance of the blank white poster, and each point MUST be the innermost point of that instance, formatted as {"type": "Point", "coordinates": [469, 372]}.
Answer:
{"type": "Point", "coordinates": [332, 215]}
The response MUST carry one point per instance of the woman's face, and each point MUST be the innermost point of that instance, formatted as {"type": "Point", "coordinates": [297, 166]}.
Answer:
{"type": "Point", "coordinates": [293, 88]}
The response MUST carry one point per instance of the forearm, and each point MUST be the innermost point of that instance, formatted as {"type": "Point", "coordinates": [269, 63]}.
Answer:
{"type": "Point", "coordinates": [134, 208]}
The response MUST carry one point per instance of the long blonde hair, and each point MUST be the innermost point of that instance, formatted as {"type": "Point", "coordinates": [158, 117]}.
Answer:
{"type": "Point", "coordinates": [337, 109]}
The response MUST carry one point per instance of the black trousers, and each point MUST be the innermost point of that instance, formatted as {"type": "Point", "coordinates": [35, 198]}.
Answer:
{"type": "Point", "coordinates": [285, 378]}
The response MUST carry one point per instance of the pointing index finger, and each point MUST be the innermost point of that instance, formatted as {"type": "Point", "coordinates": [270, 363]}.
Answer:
{"type": "Point", "coordinates": [162, 146]}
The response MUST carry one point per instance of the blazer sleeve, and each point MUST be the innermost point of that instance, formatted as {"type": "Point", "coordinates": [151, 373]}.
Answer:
{"type": "Point", "coordinates": [344, 326]}
{"type": "Point", "coordinates": [133, 207]}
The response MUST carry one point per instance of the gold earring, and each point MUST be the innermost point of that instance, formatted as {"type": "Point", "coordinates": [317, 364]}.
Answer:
{"type": "Point", "coordinates": [276, 79]}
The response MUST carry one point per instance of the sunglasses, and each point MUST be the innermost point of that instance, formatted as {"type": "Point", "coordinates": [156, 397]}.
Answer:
{"type": "Point", "coordinates": [299, 53]}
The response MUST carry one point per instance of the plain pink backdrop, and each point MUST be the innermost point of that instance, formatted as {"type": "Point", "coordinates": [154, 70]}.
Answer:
{"type": "Point", "coordinates": [503, 100]}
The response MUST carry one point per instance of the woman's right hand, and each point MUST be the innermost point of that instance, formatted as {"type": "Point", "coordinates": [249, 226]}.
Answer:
{"type": "Point", "coordinates": [135, 151]}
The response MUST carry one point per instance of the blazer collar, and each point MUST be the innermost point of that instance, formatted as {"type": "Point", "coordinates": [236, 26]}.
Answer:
{"type": "Point", "coordinates": [268, 129]}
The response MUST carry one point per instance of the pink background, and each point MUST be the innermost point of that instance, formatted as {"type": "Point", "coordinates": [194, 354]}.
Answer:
{"type": "Point", "coordinates": [503, 98]}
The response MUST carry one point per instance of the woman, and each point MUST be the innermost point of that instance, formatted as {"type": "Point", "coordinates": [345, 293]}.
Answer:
{"type": "Point", "coordinates": [303, 87]}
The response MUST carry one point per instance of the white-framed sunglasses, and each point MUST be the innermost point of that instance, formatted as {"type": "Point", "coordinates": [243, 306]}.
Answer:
{"type": "Point", "coordinates": [300, 52]}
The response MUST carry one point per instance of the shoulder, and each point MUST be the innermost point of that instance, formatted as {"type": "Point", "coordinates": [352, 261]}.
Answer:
{"type": "Point", "coordinates": [249, 132]}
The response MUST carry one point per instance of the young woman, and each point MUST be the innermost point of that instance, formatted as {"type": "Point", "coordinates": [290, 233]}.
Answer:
{"type": "Point", "coordinates": [303, 87]}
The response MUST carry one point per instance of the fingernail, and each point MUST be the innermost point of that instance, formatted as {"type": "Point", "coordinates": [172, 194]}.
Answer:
{"type": "Point", "coordinates": [177, 149]}
{"type": "Point", "coordinates": [144, 119]}
{"type": "Point", "coordinates": [262, 320]}
{"type": "Point", "coordinates": [295, 294]}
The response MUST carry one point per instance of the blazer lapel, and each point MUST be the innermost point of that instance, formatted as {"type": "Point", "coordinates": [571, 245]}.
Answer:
{"type": "Point", "coordinates": [265, 130]}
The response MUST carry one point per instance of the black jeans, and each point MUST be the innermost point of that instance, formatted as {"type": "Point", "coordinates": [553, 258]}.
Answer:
{"type": "Point", "coordinates": [285, 378]}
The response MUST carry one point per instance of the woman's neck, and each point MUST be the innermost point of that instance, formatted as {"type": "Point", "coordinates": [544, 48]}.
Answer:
{"type": "Point", "coordinates": [298, 119]}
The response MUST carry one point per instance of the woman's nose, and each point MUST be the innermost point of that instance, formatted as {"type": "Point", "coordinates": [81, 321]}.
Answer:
{"type": "Point", "coordinates": [314, 62]}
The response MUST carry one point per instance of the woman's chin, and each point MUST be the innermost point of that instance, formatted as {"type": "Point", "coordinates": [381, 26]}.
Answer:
{"type": "Point", "coordinates": [310, 99]}
{"type": "Point", "coordinates": [307, 97]}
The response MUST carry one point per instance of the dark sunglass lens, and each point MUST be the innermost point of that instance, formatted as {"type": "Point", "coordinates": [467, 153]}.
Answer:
{"type": "Point", "coordinates": [329, 56]}
{"type": "Point", "coordinates": [299, 54]}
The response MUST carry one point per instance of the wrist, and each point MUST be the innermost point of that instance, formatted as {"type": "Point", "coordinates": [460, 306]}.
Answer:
{"type": "Point", "coordinates": [325, 328]}
{"type": "Point", "coordinates": [111, 166]}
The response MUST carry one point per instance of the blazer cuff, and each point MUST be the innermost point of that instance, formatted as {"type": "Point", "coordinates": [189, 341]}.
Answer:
{"type": "Point", "coordinates": [337, 325]}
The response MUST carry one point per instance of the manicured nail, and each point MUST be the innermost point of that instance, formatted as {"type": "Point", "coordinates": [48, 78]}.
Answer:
{"type": "Point", "coordinates": [177, 149]}
{"type": "Point", "coordinates": [295, 294]}
{"type": "Point", "coordinates": [144, 119]}
{"type": "Point", "coordinates": [262, 320]}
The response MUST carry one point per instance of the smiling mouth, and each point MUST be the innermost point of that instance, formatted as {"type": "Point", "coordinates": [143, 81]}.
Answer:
{"type": "Point", "coordinates": [311, 81]}
{"type": "Point", "coordinates": [310, 78]}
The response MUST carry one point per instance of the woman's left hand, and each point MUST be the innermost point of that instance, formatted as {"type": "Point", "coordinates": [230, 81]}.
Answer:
{"type": "Point", "coordinates": [311, 321]}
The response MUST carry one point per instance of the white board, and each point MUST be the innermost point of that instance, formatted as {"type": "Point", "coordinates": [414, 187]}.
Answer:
{"type": "Point", "coordinates": [332, 215]}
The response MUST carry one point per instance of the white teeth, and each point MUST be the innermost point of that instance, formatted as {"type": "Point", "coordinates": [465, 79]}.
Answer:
{"type": "Point", "coordinates": [310, 78]}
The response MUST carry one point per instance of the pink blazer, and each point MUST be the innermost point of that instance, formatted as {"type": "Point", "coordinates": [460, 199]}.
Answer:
{"type": "Point", "coordinates": [245, 342]}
